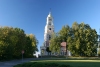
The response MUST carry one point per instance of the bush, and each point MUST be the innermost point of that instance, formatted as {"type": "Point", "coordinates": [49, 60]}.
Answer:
{"type": "Point", "coordinates": [41, 64]}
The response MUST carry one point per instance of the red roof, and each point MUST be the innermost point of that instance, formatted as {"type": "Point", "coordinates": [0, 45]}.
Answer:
{"type": "Point", "coordinates": [63, 44]}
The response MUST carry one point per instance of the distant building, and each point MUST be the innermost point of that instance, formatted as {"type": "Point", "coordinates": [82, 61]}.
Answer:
{"type": "Point", "coordinates": [63, 50]}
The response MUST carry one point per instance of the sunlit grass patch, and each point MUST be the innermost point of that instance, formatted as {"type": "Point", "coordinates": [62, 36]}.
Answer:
{"type": "Point", "coordinates": [66, 61]}
{"type": "Point", "coordinates": [73, 63]}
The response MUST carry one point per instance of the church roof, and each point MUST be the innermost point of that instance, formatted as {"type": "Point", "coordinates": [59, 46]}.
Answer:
{"type": "Point", "coordinates": [63, 44]}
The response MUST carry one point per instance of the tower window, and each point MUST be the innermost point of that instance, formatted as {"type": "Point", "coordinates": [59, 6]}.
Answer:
{"type": "Point", "coordinates": [49, 23]}
{"type": "Point", "coordinates": [49, 37]}
{"type": "Point", "coordinates": [50, 19]}
{"type": "Point", "coordinates": [49, 28]}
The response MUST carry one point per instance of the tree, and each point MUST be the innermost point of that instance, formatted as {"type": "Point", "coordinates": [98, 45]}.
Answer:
{"type": "Point", "coordinates": [82, 40]}
{"type": "Point", "coordinates": [13, 41]}
{"type": "Point", "coordinates": [34, 42]}
{"type": "Point", "coordinates": [55, 43]}
{"type": "Point", "coordinates": [64, 33]}
{"type": "Point", "coordinates": [5, 43]}
{"type": "Point", "coordinates": [19, 43]}
{"type": "Point", "coordinates": [31, 45]}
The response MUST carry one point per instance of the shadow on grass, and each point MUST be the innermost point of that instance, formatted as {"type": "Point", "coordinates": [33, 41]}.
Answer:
{"type": "Point", "coordinates": [41, 64]}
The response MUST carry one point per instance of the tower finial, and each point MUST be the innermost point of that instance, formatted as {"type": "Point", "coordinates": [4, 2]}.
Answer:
{"type": "Point", "coordinates": [50, 11]}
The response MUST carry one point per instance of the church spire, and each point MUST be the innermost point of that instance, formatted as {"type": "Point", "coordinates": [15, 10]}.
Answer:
{"type": "Point", "coordinates": [50, 11]}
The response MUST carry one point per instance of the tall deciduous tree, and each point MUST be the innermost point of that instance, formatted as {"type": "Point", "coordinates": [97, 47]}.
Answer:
{"type": "Point", "coordinates": [55, 43]}
{"type": "Point", "coordinates": [31, 45]}
{"type": "Point", "coordinates": [81, 39]}
{"type": "Point", "coordinates": [13, 41]}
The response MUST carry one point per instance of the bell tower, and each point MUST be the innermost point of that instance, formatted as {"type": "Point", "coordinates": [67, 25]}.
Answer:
{"type": "Point", "coordinates": [49, 29]}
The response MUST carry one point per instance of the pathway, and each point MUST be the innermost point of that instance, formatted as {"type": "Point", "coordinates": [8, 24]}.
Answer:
{"type": "Point", "coordinates": [15, 62]}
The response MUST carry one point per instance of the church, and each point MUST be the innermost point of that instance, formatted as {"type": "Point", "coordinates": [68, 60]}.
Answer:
{"type": "Point", "coordinates": [49, 30]}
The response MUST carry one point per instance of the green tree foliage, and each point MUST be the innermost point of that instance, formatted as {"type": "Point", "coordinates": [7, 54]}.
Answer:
{"type": "Point", "coordinates": [19, 44]}
{"type": "Point", "coordinates": [64, 33]}
{"type": "Point", "coordinates": [31, 45]}
{"type": "Point", "coordinates": [81, 39]}
{"type": "Point", "coordinates": [13, 41]}
{"type": "Point", "coordinates": [55, 43]}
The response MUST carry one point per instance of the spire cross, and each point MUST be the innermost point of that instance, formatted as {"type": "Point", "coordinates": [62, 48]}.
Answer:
{"type": "Point", "coordinates": [50, 10]}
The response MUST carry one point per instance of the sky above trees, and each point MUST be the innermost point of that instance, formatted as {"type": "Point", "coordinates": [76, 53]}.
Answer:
{"type": "Point", "coordinates": [30, 15]}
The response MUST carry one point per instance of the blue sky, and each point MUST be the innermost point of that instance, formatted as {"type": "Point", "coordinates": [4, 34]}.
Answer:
{"type": "Point", "coordinates": [30, 15]}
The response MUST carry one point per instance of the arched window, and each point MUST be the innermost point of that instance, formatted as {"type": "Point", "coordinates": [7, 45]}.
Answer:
{"type": "Point", "coordinates": [49, 37]}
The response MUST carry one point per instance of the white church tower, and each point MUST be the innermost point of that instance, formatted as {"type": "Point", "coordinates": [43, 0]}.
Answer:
{"type": "Point", "coordinates": [49, 30]}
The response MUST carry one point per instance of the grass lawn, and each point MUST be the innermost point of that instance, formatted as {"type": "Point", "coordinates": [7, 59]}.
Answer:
{"type": "Point", "coordinates": [73, 62]}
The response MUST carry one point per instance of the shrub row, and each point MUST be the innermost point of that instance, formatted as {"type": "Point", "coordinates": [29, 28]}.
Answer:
{"type": "Point", "coordinates": [40, 64]}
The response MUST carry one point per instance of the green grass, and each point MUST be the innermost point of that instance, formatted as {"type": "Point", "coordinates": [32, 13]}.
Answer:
{"type": "Point", "coordinates": [72, 61]}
